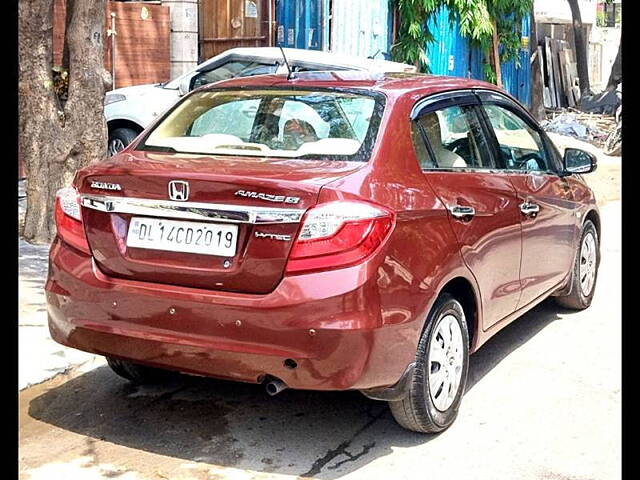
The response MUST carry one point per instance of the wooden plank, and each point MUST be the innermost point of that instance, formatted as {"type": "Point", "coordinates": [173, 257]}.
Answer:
{"type": "Point", "coordinates": [561, 101]}
{"type": "Point", "coordinates": [552, 77]}
{"type": "Point", "coordinates": [569, 78]}
{"type": "Point", "coordinates": [566, 82]}
{"type": "Point", "coordinates": [549, 62]}
{"type": "Point", "coordinates": [561, 72]}
{"type": "Point", "coordinates": [546, 95]}
{"type": "Point", "coordinates": [560, 85]}
{"type": "Point", "coordinates": [545, 92]}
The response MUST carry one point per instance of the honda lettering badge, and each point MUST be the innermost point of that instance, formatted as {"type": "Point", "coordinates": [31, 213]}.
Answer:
{"type": "Point", "coordinates": [178, 190]}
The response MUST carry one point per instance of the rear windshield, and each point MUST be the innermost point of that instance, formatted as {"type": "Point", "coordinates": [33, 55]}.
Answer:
{"type": "Point", "coordinates": [271, 123]}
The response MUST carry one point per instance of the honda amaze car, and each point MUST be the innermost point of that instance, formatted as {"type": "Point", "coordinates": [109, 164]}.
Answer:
{"type": "Point", "coordinates": [332, 231]}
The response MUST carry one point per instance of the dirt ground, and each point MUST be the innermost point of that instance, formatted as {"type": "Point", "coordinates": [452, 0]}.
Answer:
{"type": "Point", "coordinates": [606, 180]}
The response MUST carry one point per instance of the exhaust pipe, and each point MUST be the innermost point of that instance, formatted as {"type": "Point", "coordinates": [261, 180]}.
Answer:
{"type": "Point", "coordinates": [275, 386]}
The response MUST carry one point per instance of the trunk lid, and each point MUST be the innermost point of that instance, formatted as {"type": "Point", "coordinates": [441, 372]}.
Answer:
{"type": "Point", "coordinates": [255, 194]}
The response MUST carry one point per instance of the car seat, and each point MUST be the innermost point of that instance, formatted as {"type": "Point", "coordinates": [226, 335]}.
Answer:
{"type": "Point", "coordinates": [444, 158]}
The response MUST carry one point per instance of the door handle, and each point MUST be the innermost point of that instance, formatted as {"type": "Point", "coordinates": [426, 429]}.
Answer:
{"type": "Point", "coordinates": [461, 212]}
{"type": "Point", "coordinates": [529, 209]}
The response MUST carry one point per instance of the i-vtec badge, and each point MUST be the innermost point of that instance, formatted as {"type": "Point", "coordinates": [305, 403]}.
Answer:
{"type": "Point", "coordinates": [268, 197]}
{"type": "Point", "coordinates": [273, 236]}
{"type": "Point", "coordinates": [105, 186]}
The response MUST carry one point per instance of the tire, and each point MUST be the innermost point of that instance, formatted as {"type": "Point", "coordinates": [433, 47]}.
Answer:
{"type": "Point", "coordinates": [120, 138]}
{"type": "Point", "coordinates": [579, 297]}
{"type": "Point", "coordinates": [420, 411]}
{"type": "Point", "coordinates": [139, 374]}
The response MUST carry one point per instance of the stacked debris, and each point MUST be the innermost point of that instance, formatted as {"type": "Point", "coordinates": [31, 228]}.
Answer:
{"type": "Point", "coordinates": [589, 127]}
{"type": "Point", "coordinates": [559, 73]}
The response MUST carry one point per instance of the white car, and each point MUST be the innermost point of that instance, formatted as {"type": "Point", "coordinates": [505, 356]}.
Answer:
{"type": "Point", "coordinates": [129, 110]}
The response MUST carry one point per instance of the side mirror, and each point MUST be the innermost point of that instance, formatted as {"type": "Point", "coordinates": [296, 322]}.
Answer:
{"type": "Point", "coordinates": [579, 161]}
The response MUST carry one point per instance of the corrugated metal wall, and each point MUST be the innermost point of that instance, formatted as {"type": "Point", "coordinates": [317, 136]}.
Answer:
{"type": "Point", "coordinates": [451, 54]}
{"type": "Point", "coordinates": [517, 81]}
{"type": "Point", "coordinates": [360, 27]}
{"type": "Point", "coordinates": [299, 24]}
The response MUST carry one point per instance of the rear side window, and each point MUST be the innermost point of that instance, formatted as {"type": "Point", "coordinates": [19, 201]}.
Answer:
{"type": "Point", "coordinates": [238, 68]}
{"type": "Point", "coordinates": [454, 139]}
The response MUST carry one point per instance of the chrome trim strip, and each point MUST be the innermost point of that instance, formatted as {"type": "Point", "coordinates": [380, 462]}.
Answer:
{"type": "Point", "coordinates": [191, 210]}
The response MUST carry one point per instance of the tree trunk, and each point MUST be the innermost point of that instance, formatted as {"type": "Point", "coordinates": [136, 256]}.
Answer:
{"type": "Point", "coordinates": [616, 71]}
{"type": "Point", "coordinates": [581, 48]}
{"type": "Point", "coordinates": [56, 140]}
{"type": "Point", "coordinates": [537, 88]}
{"type": "Point", "coordinates": [495, 54]}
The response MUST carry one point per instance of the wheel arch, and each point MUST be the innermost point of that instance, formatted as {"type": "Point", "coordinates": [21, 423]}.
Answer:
{"type": "Point", "coordinates": [123, 123]}
{"type": "Point", "coordinates": [463, 290]}
{"type": "Point", "coordinates": [595, 218]}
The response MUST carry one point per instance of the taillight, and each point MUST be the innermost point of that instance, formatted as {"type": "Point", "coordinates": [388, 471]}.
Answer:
{"type": "Point", "coordinates": [339, 234]}
{"type": "Point", "coordinates": [69, 220]}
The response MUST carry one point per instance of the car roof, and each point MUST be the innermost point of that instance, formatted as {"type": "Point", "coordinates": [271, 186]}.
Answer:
{"type": "Point", "coordinates": [391, 83]}
{"type": "Point", "coordinates": [325, 58]}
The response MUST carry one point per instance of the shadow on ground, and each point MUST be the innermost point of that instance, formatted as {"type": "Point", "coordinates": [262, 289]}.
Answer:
{"type": "Point", "coordinates": [325, 435]}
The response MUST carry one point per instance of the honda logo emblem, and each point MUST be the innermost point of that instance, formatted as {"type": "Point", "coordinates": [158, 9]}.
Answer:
{"type": "Point", "coordinates": [178, 190]}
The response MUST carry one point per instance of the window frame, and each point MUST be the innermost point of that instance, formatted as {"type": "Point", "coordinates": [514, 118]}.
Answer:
{"type": "Point", "coordinates": [441, 101]}
{"type": "Point", "coordinates": [305, 66]}
{"type": "Point", "coordinates": [490, 97]}
{"type": "Point", "coordinates": [230, 59]}
{"type": "Point", "coordinates": [363, 155]}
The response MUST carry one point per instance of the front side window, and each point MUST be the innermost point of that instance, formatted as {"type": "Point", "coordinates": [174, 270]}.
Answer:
{"type": "Point", "coordinates": [270, 123]}
{"type": "Point", "coordinates": [521, 147]}
{"type": "Point", "coordinates": [238, 68]}
{"type": "Point", "coordinates": [454, 138]}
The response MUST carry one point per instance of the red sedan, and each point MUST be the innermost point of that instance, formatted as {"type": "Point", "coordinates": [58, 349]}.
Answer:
{"type": "Point", "coordinates": [333, 231]}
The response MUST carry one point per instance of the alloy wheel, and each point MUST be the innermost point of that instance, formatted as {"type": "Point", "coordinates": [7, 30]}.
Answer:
{"type": "Point", "coordinates": [587, 263]}
{"type": "Point", "coordinates": [445, 362]}
{"type": "Point", "coordinates": [115, 145]}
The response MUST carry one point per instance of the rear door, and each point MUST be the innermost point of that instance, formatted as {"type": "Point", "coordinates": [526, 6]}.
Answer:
{"type": "Point", "coordinates": [547, 208]}
{"type": "Point", "coordinates": [483, 204]}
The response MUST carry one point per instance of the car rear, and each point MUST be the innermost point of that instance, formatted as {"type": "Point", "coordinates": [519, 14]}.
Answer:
{"type": "Point", "coordinates": [209, 246]}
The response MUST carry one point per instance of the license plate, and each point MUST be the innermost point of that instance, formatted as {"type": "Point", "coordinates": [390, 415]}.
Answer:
{"type": "Point", "coordinates": [188, 237]}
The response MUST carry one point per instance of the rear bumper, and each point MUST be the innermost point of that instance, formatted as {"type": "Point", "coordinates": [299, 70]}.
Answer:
{"type": "Point", "coordinates": [328, 322]}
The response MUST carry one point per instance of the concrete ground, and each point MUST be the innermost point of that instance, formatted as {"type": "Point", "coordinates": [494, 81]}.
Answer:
{"type": "Point", "coordinates": [39, 357]}
{"type": "Point", "coordinates": [543, 402]}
